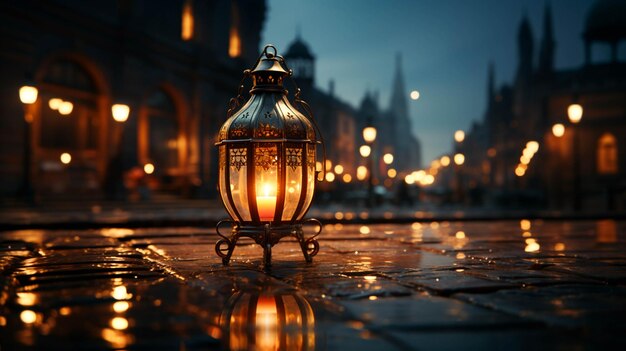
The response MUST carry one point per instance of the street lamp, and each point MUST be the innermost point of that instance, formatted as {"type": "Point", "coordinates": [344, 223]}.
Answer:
{"type": "Point", "coordinates": [369, 135]}
{"type": "Point", "coordinates": [120, 112]}
{"type": "Point", "coordinates": [558, 130]}
{"type": "Point", "coordinates": [28, 96]}
{"type": "Point", "coordinates": [115, 171]}
{"type": "Point", "coordinates": [459, 136]}
{"type": "Point", "coordinates": [459, 160]}
{"type": "Point", "coordinates": [267, 151]}
{"type": "Point", "coordinates": [388, 158]}
{"type": "Point", "coordinates": [575, 115]}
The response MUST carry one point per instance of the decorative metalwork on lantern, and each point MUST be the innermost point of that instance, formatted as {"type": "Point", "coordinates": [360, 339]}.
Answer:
{"type": "Point", "coordinates": [267, 152]}
{"type": "Point", "coordinates": [268, 320]}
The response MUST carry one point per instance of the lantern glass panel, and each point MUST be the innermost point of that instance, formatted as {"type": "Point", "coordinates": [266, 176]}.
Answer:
{"type": "Point", "coordinates": [310, 182]}
{"type": "Point", "coordinates": [293, 184]}
{"type": "Point", "coordinates": [238, 181]}
{"type": "Point", "coordinates": [266, 179]}
{"type": "Point", "coordinates": [222, 181]}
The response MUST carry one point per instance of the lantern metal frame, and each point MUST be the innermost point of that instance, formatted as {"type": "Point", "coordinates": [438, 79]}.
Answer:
{"type": "Point", "coordinates": [240, 142]}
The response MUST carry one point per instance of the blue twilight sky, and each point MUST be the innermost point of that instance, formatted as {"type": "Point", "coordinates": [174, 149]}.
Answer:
{"type": "Point", "coordinates": [446, 46]}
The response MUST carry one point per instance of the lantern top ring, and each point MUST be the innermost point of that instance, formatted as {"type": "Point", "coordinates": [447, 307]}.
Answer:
{"type": "Point", "coordinates": [269, 54]}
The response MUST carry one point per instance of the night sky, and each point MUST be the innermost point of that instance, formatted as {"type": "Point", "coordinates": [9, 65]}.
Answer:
{"type": "Point", "coordinates": [446, 47]}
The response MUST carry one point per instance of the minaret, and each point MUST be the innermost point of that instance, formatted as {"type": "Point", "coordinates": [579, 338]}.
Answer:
{"type": "Point", "coordinates": [399, 105]}
{"type": "Point", "coordinates": [525, 49]}
{"type": "Point", "coordinates": [546, 51]}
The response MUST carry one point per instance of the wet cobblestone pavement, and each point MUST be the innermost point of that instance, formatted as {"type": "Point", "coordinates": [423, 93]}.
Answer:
{"type": "Point", "coordinates": [510, 285]}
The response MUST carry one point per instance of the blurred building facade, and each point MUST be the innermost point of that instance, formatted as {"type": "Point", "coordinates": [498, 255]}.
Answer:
{"type": "Point", "coordinates": [579, 166]}
{"type": "Point", "coordinates": [175, 63]}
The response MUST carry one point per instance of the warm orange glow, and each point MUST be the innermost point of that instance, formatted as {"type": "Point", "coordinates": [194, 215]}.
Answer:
{"type": "Point", "coordinates": [392, 173]}
{"type": "Point", "coordinates": [365, 150]}
{"type": "Point", "coordinates": [329, 165]}
{"type": "Point", "coordinates": [369, 134]}
{"type": "Point", "coordinates": [524, 160]}
{"type": "Point", "coordinates": [445, 161]}
{"type": "Point", "coordinates": [54, 103]}
{"type": "Point", "coordinates": [234, 44]}
{"type": "Point", "coordinates": [121, 306]}
{"type": "Point", "coordinates": [66, 107]}
{"type": "Point", "coordinates": [409, 179]}
{"type": "Point", "coordinates": [120, 293]}
{"type": "Point", "coordinates": [575, 113]}
{"type": "Point", "coordinates": [266, 322]}
{"type": "Point", "coordinates": [520, 171]}
{"type": "Point", "coordinates": [415, 95]}
{"type": "Point", "coordinates": [119, 323]}
{"type": "Point", "coordinates": [364, 229]}
{"type": "Point", "coordinates": [459, 159]}
{"type": "Point", "coordinates": [339, 169]}
{"type": "Point", "coordinates": [28, 317]}
{"type": "Point", "coordinates": [26, 298]}
{"type": "Point", "coordinates": [28, 94]}
{"type": "Point", "coordinates": [361, 173]}
{"type": "Point", "coordinates": [65, 158]}
{"type": "Point", "coordinates": [266, 203]}
{"type": "Point", "coordinates": [524, 224]}
{"type": "Point", "coordinates": [558, 130]}
{"type": "Point", "coordinates": [531, 245]}
{"type": "Point", "coordinates": [187, 21]}
{"type": "Point", "coordinates": [460, 234]}
{"type": "Point", "coordinates": [459, 136]}
{"type": "Point", "coordinates": [533, 146]}
{"type": "Point", "coordinates": [347, 178]}
{"type": "Point", "coordinates": [148, 168]}
{"type": "Point", "coordinates": [388, 158]}
{"type": "Point", "coordinates": [330, 177]}
{"type": "Point", "coordinates": [120, 112]}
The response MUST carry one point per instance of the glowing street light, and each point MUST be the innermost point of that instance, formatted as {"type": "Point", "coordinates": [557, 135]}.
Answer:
{"type": "Point", "coordinates": [575, 113]}
{"type": "Point", "coordinates": [65, 108]}
{"type": "Point", "coordinates": [365, 150]}
{"type": "Point", "coordinates": [445, 161]}
{"type": "Point", "coordinates": [558, 130]}
{"type": "Point", "coordinates": [65, 158]}
{"type": "Point", "coordinates": [361, 173]}
{"type": "Point", "coordinates": [148, 168]}
{"type": "Point", "coordinates": [339, 169]}
{"type": "Point", "coordinates": [28, 94]}
{"type": "Point", "coordinates": [459, 136]}
{"type": "Point", "coordinates": [369, 134]}
{"type": "Point", "coordinates": [533, 146]}
{"type": "Point", "coordinates": [388, 159]}
{"type": "Point", "coordinates": [54, 103]}
{"type": "Point", "coordinates": [459, 159]}
{"type": "Point", "coordinates": [120, 112]}
{"type": "Point", "coordinates": [391, 173]}
{"type": "Point", "coordinates": [415, 95]}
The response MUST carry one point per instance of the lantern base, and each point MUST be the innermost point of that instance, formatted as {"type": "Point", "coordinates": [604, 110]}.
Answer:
{"type": "Point", "coordinates": [267, 236]}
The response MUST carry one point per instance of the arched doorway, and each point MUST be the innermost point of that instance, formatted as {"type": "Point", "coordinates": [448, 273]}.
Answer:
{"type": "Point", "coordinates": [69, 130]}
{"type": "Point", "coordinates": [607, 154]}
{"type": "Point", "coordinates": [162, 139]}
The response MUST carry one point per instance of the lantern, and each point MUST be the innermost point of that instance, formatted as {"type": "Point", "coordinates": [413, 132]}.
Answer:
{"type": "Point", "coordinates": [268, 320]}
{"type": "Point", "coordinates": [267, 154]}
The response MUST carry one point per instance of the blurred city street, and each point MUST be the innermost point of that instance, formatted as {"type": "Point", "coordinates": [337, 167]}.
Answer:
{"type": "Point", "coordinates": [514, 285]}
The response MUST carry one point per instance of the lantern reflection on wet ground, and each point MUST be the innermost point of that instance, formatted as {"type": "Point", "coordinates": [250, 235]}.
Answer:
{"type": "Point", "coordinates": [268, 320]}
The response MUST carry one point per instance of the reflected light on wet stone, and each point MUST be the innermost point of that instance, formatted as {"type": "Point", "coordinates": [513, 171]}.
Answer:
{"type": "Point", "coordinates": [364, 215]}
{"type": "Point", "coordinates": [28, 316]}
{"type": "Point", "coordinates": [116, 232]}
{"type": "Point", "coordinates": [527, 234]}
{"type": "Point", "coordinates": [121, 306]}
{"type": "Point", "coordinates": [524, 224]}
{"type": "Point", "coordinates": [65, 311]}
{"type": "Point", "coordinates": [26, 298]}
{"type": "Point", "coordinates": [434, 225]}
{"type": "Point", "coordinates": [416, 225]}
{"type": "Point", "coordinates": [531, 245]}
{"type": "Point", "coordinates": [370, 278]}
{"type": "Point", "coordinates": [372, 298]}
{"type": "Point", "coordinates": [364, 230]}
{"type": "Point", "coordinates": [120, 293]}
{"type": "Point", "coordinates": [559, 247]}
{"type": "Point", "coordinates": [460, 234]}
{"type": "Point", "coordinates": [116, 338]}
{"type": "Point", "coordinates": [339, 215]}
{"type": "Point", "coordinates": [119, 323]}
{"type": "Point", "coordinates": [606, 231]}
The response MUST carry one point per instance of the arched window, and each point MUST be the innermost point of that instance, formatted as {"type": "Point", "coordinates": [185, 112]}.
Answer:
{"type": "Point", "coordinates": [607, 154]}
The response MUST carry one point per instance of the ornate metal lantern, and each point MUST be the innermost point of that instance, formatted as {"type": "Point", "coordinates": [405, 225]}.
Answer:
{"type": "Point", "coordinates": [268, 320]}
{"type": "Point", "coordinates": [267, 153]}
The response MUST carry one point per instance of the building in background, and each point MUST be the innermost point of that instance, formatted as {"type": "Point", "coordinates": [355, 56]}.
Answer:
{"type": "Point", "coordinates": [578, 165]}
{"type": "Point", "coordinates": [174, 63]}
